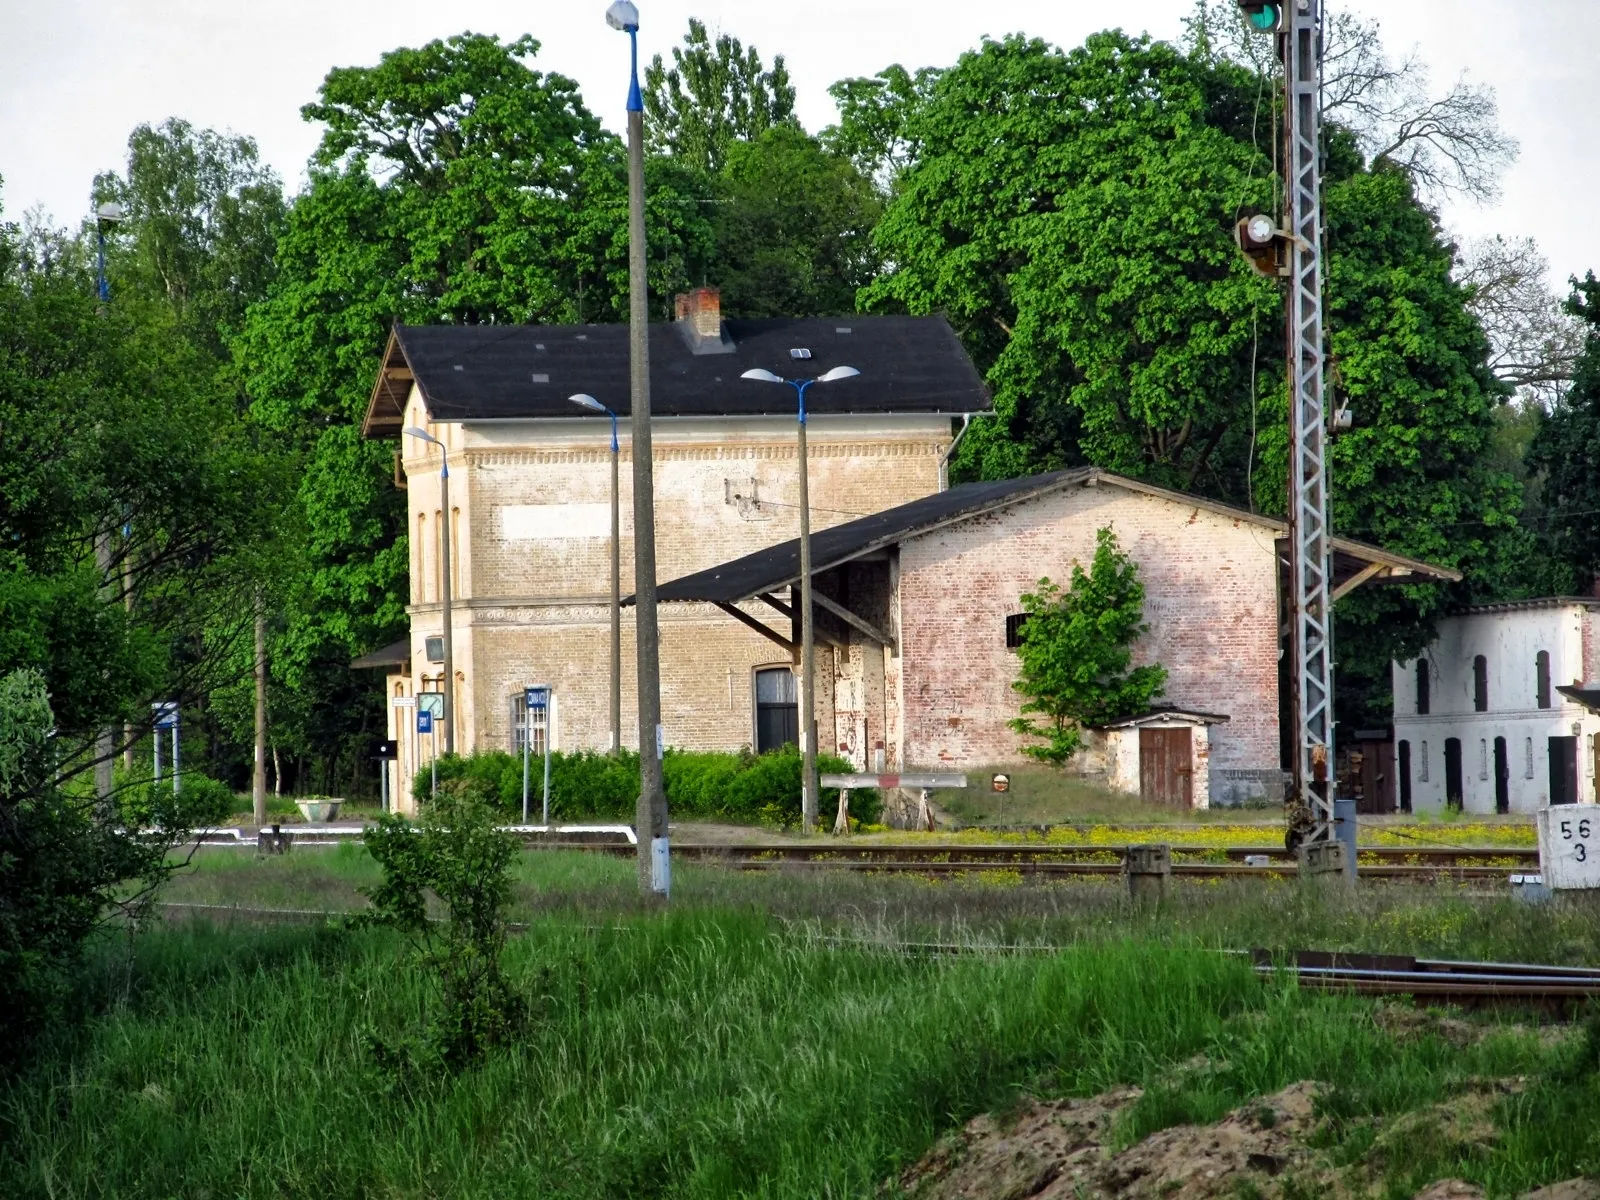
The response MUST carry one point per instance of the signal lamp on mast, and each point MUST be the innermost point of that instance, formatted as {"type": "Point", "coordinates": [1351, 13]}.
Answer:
{"type": "Point", "coordinates": [1264, 245]}
{"type": "Point", "coordinates": [1262, 16]}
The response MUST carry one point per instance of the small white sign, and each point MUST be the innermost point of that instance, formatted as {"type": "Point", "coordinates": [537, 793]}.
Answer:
{"type": "Point", "coordinates": [1569, 845]}
{"type": "Point", "coordinates": [405, 701]}
{"type": "Point", "coordinates": [661, 742]}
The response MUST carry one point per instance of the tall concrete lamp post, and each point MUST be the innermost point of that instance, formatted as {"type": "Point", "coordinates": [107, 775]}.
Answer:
{"type": "Point", "coordinates": [109, 213]}
{"type": "Point", "coordinates": [449, 714]}
{"type": "Point", "coordinates": [650, 817]}
{"type": "Point", "coordinates": [594, 405]}
{"type": "Point", "coordinates": [808, 732]}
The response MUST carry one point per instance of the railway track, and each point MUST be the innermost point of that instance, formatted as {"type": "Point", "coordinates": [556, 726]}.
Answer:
{"type": "Point", "coordinates": [1423, 862]}
{"type": "Point", "coordinates": [1196, 862]}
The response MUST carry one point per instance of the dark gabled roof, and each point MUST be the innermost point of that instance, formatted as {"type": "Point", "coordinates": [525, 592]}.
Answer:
{"type": "Point", "coordinates": [395, 654]}
{"type": "Point", "coordinates": [1586, 694]}
{"type": "Point", "coordinates": [498, 372]}
{"type": "Point", "coordinates": [778, 566]}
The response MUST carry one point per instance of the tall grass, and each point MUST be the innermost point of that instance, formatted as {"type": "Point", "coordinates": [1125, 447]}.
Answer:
{"type": "Point", "coordinates": [704, 1052]}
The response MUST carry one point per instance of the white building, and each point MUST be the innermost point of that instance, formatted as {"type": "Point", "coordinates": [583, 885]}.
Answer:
{"type": "Point", "coordinates": [1480, 719]}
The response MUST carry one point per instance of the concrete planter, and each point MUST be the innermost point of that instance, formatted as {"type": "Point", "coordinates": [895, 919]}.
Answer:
{"type": "Point", "coordinates": [319, 809]}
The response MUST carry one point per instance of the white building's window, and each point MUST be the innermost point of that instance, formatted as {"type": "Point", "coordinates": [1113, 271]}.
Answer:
{"type": "Point", "coordinates": [1483, 758]}
{"type": "Point", "coordinates": [1422, 764]}
{"type": "Point", "coordinates": [1527, 744]}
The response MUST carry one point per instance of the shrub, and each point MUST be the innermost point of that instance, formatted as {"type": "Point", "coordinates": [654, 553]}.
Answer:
{"type": "Point", "coordinates": [200, 801]}
{"type": "Point", "coordinates": [703, 784]}
{"type": "Point", "coordinates": [457, 855]}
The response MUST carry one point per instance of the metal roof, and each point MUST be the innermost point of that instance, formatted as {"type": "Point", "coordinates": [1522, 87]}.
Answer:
{"type": "Point", "coordinates": [395, 654]}
{"type": "Point", "coordinates": [1505, 606]}
{"type": "Point", "coordinates": [509, 372]}
{"type": "Point", "coordinates": [779, 566]}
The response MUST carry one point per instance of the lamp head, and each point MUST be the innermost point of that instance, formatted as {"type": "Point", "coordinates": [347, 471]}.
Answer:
{"type": "Point", "coordinates": [109, 213]}
{"type": "Point", "coordinates": [763, 376]}
{"type": "Point", "coordinates": [586, 401]}
{"type": "Point", "coordinates": [623, 15]}
{"type": "Point", "coordinates": [837, 373]}
{"type": "Point", "coordinates": [417, 431]}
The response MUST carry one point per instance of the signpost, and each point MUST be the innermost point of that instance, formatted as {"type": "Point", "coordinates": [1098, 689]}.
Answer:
{"type": "Point", "coordinates": [537, 701]}
{"type": "Point", "coordinates": [166, 717]}
{"type": "Point", "coordinates": [385, 752]}
{"type": "Point", "coordinates": [430, 710]}
{"type": "Point", "coordinates": [1569, 846]}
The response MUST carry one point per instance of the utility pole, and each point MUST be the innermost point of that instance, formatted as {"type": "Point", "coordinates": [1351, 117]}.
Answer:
{"type": "Point", "coordinates": [258, 777]}
{"type": "Point", "coordinates": [650, 817]}
{"type": "Point", "coordinates": [105, 739]}
{"type": "Point", "coordinates": [1297, 248]}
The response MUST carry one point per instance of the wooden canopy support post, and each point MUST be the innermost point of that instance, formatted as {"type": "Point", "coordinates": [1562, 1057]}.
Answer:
{"type": "Point", "coordinates": [765, 631]}
{"type": "Point", "coordinates": [1355, 581]}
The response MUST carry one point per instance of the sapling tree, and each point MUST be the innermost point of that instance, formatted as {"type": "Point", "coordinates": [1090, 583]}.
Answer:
{"type": "Point", "coordinates": [1076, 653]}
{"type": "Point", "coordinates": [457, 857]}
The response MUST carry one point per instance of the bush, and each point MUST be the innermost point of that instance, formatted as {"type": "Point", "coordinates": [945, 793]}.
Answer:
{"type": "Point", "coordinates": [700, 784]}
{"type": "Point", "coordinates": [199, 802]}
{"type": "Point", "coordinates": [457, 856]}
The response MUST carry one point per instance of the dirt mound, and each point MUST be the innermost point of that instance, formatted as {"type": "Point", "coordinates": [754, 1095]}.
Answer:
{"type": "Point", "coordinates": [1059, 1150]}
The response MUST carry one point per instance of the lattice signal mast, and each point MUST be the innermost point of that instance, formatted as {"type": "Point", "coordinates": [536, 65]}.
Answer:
{"type": "Point", "coordinates": [1293, 250]}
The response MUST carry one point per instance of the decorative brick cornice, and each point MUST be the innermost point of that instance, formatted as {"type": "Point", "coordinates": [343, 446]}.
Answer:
{"type": "Point", "coordinates": [774, 451]}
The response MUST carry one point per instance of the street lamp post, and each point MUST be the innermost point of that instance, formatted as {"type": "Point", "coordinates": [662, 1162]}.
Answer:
{"type": "Point", "coordinates": [808, 732]}
{"type": "Point", "coordinates": [449, 714]}
{"type": "Point", "coordinates": [108, 213]}
{"type": "Point", "coordinates": [651, 815]}
{"type": "Point", "coordinates": [594, 405]}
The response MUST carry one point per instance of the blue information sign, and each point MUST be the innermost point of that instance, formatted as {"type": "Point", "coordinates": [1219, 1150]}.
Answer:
{"type": "Point", "coordinates": [424, 721]}
{"type": "Point", "coordinates": [166, 713]}
{"type": "Point", "coordinates": [538, 699]}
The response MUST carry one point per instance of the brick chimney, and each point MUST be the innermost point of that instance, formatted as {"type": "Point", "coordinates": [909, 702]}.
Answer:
{"type": "Point", "coordinates": [701, 309]}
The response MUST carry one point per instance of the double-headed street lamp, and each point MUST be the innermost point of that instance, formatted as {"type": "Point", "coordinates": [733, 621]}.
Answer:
{"type": "Point", "coordinates": [808, 733]}
{"type": "Point", "coordinates": [650, 817]}
{"type": "Point", "coordinates": [449, 714]}
{"type": "Point", "coordinates": [594, 405]}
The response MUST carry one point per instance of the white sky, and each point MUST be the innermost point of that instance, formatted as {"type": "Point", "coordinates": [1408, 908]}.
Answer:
{"type": "Point", "coordinates": [77, 75]}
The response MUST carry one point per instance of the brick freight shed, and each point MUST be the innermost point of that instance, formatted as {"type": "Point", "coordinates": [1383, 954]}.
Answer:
{"type": "Point", "coordinates": [916, 605]}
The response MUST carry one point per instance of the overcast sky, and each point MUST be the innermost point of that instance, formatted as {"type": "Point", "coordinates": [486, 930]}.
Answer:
{"type": "Point", "coordinates": [77, 75]}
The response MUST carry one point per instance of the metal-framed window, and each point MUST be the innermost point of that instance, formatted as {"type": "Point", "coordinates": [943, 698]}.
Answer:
{"type": "Point", "coordinates": [1422, 689]}
{"type": "Point", "coordinates": [1541, 675]}
{"type": "Point", "coordinates": [1480, 684]}
{"type": "Point", "coordinates": [1014, 624]}
{"type": "Point", "coordinates": [1528, 750]}
{"type": "Point", "coordinates": [1483, 758]}
{"type": "Point", "coordinates": [1422, 762]}
{"type": "Point", "coordinates": [518, 727]}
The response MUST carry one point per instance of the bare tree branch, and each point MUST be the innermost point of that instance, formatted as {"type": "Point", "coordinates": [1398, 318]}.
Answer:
{"type": "Point", "coordinates": [1534, 342]}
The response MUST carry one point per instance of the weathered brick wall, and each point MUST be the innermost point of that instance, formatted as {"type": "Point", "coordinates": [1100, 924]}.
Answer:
{"type": "Point", "coordinates": [1209, 599]}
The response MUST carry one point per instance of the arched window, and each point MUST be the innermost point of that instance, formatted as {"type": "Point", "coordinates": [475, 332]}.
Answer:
{"type": "Point", "coordinates": [1480, 684]}
{"type": "Point", "coordinates": [1422, 689]}
{"type": "Point", "coordinates": [1541, 672]}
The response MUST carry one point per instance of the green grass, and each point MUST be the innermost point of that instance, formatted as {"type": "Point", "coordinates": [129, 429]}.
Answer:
{"type": "Point", "coordinates": [723, 1049]}
{"type": "Point", "coordinates": [1040, 795]}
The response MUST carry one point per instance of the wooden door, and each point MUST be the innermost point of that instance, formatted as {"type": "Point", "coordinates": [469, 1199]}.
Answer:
{"type": "Point", "coordinates": [1563, 770]}
{"type": "Point", "coordinates": [1377, 778]}
{"type": "Point", "coordinates": [1166, 767]}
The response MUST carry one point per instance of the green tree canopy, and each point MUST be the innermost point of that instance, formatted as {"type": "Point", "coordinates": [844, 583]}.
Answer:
{"type": "Point", "coordinates": [201, 222]}
{"type": "Point", "coordinates": [1563, 456]}
{"type": "Point", "coordinates": [793, 231]}
{"type": "Point", "coordinates": [713, 95]}
{"type": "Point", "coordinates": [1076, 653]}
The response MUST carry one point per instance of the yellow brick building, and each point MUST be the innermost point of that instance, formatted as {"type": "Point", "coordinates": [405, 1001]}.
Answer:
{"type": "Point", "coordinates": [530, 495]}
